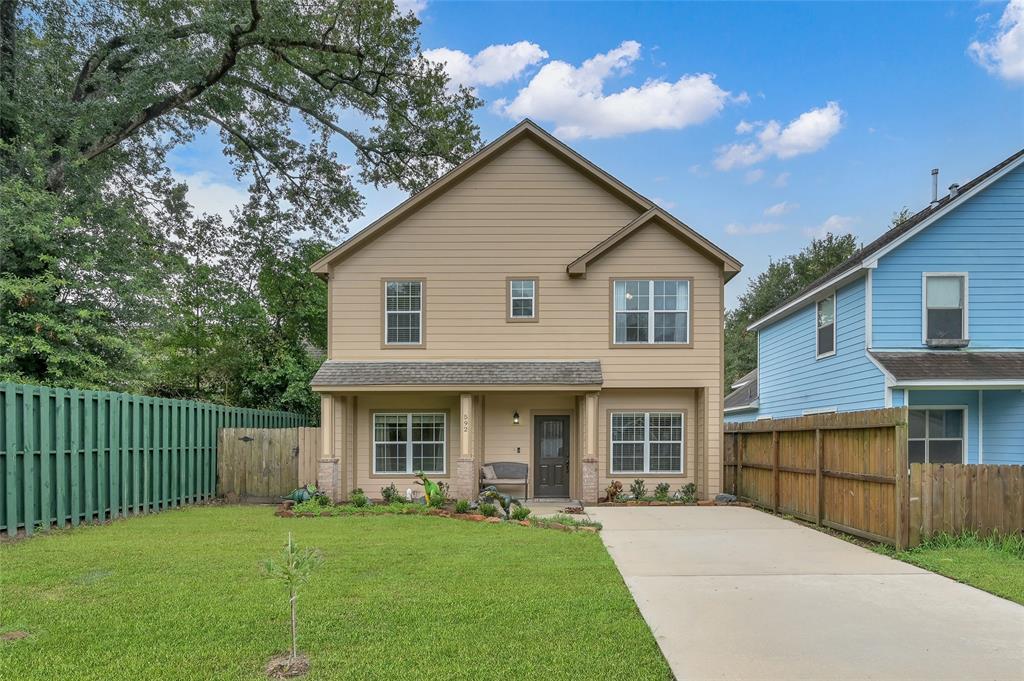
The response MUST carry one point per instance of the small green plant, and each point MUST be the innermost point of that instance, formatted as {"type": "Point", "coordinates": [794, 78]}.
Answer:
{"type": "Point", "coordinates": [462, 506]}
{"type": "Point", "coordinates": [440, 496]}
{"type": "Point", "coordinates": [489, 510]}
{"type": "Point", "coordinates": [687, 493]}
{"type": "Point", "coordinates": [661, 491]}
{"type": "Point", "coordinates": [613, 490]}
{"type": "Point", "coordinates": [293, 570]}
{"type": "Point", "coordinates": [391, 495]}
{"type": "Point", "coordinates": [358, 498]}
{"type": "Point", "coordinates": [567, 520]}
{"type": "Point", "coordinates": [638, 489]}
{"type": "Point", "coordinates": [308, 506]}
{"type": "Point", "coordinates": [520, 513]}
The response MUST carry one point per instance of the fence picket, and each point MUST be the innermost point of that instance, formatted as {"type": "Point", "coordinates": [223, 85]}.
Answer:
{"type": "Point", "coordinates": [85, 456]}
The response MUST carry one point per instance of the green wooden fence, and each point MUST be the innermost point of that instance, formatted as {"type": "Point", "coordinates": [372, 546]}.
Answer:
{"type": "Point", "coordinates": [82, 456]}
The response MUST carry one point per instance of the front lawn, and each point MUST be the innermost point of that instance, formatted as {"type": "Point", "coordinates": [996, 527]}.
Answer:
{"type": "Point", "coordinates": [993, 564]}
{"type": "Point", "coordinates": [179, 595]}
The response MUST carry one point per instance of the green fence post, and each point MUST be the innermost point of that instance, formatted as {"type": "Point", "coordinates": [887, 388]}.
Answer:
{"type": "Point", "coordinates": [45, 452]}
{"type": "Point", "coordinates": [28, 458]}
{"type": "Point", "coordinates": [61, 433]}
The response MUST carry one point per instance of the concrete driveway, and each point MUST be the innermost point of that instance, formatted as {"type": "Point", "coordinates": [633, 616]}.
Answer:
{"type": "Point", "coordinates": [734, 593]}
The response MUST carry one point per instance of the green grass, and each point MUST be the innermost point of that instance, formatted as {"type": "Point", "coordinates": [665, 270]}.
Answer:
{"type": "Point", "coordinates": [994, 564]}
{"type": "Point", "coordinates": [179, 595]}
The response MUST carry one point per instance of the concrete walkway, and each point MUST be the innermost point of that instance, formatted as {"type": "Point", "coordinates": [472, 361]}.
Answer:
{"type": "Point", "coordinates": [734, 593]}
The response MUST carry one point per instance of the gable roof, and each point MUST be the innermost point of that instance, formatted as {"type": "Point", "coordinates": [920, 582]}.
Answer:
{"type": "Point", "coordinates": [656, 215]}
{"type": "Point", "coordinates": [526, 129]}
{"type": "Point", "coordinates": [868, 255]}
{"type": "Point", "coordinates": [744, 395]}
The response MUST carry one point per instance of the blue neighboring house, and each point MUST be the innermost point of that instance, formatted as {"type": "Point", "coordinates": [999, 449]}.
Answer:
{"type": "Point", "coordinates": [930, 315]}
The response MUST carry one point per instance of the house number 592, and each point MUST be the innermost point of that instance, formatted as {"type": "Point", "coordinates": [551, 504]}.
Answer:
{"type": "Point", "coordinates": [465, 423]}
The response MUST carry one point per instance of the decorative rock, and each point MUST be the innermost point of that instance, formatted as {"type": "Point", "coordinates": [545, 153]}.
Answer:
{"type": "Point", "coordinates": [725, 498]}
{"type": "Point", "coordinates": [524, 523]}
{"type": "Point", "coordinates": [305, 514]}
{"type": "Point", "coordinates": [473, 516]}
{"type": "Point", "coordinates": [494, 520]}
{"type": "Point", "coordinates": [587, 528]}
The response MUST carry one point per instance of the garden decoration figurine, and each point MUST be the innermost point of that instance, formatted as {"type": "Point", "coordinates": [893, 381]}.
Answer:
{"type": "Point", "coordinates": [505, 501]}
{"type": "Point", "coordinates": [430, 488]}
{"type": "Point", "coordinates": [304, 493]}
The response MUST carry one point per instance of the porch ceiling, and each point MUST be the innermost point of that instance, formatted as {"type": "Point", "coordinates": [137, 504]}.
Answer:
{"type": "Point", "coordinates": [447, 374]}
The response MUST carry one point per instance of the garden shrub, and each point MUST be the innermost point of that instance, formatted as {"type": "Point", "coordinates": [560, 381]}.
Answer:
{"type": "Point", "coordinates": [358, 498]}
{"type": "Point", "coordinates": [661, 491]}
{"type": "Point", "coordinates": [462, 506]}
{"type": "Point", "coordinates": [391, 495]}
{"type": "Point", "coordinates": [638, 489]}
{"type": "Point", "coordinates": [520, 513]}
{"type": "Point", "coordinates": [489, 510]}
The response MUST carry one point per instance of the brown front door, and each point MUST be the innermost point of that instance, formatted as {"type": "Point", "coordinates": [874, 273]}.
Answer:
{"type": "Point", "coordinates": [551, 456]}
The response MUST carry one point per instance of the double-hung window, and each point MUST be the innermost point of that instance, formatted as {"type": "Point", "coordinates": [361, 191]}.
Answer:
{"type": "Point", "coordinates": [522, 299]}
{"type": "Point", "coordinates": [825, 315]}
{"type": "Point", "coordinates": [650, 311]}
{"type": "Point", "coordinates": [408, 443]}
{"type": "Point", "coordinates": [945, 308]}
{"type": "Point", "coordinates": [936, 436]}
{"type": "Point", "coordinates": [647, 442]}
{"type": "Point", "coordinates": [403, 312]}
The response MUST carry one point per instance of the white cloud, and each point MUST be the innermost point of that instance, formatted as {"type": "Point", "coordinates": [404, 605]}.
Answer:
{"type": "Point", "coordinates": [781, 180]}
{"type": "Point", "coordinates": [209, 196]}
{"type": "Point", "coordinates": [836, 224]}
{"type": "Point", "coordinates": [737, 229]}
{"type": "Point", "coordinates": [573, 98]}
{"type": "Point", "coordinates": [753, 176]}
{"type": "Point", "coordinates": [664, 203]}
{"type": "Point", "coordinates": [781, 208]}
{"type": "Point", "coordinates": [743, 127]}
{"type": "Point", "coordinates": [492, 65]}
{"type": "Point", "coordinates": [808, 132]}
{"type": "Point", "coordinates": [414, 6]}
{"type": "Point", "coordinates": [1003, 54]}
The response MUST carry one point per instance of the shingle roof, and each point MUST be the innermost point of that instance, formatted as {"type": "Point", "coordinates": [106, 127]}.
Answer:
{"type": "Point", "coordinates": [952, 365]}
{"type": "Point", "coordinates": [897, 231]}
{"type": "Point", "coordinates": [334, 372]}
{"type": "Point", "coordinates": [745, 395]}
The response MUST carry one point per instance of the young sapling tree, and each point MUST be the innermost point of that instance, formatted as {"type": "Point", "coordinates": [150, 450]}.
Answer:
{"type": "Point", "coordinates": [293, 570]}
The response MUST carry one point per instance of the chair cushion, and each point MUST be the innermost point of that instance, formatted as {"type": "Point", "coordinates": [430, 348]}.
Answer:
{"type": "Point", "coordinates": [489, 473]}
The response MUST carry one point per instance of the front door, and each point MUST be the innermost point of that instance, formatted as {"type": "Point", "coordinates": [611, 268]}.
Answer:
{"type": "Point", "coordinates": [551, 456]}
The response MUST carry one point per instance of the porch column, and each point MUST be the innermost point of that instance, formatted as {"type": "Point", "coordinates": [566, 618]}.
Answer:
{"type": "Point", "coordinates": [466, 481]}
{"type": "Point", "coordinates": [329, 470]}
{"type": "Point", "coordinates": [589, 469]}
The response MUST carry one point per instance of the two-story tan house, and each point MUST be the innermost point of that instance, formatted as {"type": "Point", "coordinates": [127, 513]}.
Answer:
{"type": "Point", "coordinates": [526, 307]}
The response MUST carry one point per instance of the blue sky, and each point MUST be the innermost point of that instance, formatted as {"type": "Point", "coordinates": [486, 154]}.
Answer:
{"type": "Point", "coordinates": [756, 124]}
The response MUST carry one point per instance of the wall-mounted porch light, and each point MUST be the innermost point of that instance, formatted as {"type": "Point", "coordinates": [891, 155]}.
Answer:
{"type": "Point", "coordinates": [515, 417]}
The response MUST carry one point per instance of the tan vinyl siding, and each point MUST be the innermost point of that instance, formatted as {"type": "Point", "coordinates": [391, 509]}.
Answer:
{"type": "Point", "coordinates": [525, 211]}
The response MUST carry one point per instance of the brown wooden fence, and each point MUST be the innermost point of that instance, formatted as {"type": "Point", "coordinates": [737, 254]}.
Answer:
{"type": "Point", "coordinates": [263, 464]}
{"type": "Point", "coordinates": [850, 472]}
{"type": "Point", "coordinates": [965, 498]}
{"type": "Point", "coordinates": [838, 470]}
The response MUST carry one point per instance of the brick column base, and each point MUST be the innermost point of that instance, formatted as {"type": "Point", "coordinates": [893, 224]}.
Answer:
{"type": "Point", "coordinates": [588, 486]}
{"type": "Point", "coordinates": [465, 485]}
{"type": "Point", "coordinates": [329, 479]}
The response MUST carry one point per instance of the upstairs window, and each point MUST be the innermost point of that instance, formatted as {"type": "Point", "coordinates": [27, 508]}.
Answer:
{"type": "Point", "coordinates": [945, 302]}
{"type": "Point", "coordinates": [403, 312]}
{"type": "Point", "coordinates": [826, 326]}
{"type": "Point", "coordinates": [650, 311]}
{"type": "Point", "coordinates": [522, 299]}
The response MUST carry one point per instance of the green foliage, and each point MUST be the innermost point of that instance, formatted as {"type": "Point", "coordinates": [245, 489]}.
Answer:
{"type": "Point", "coordinates": [661, 491]}
{"type": "Point", "coordinates": [488, 509]}
{"type": "Point", "coordinates": [783, 279]}
{"type": "Point", "coordinates": [687, 493]}
{"type": "Point", "coordinates": [638, 488]}
{"type": "Point", "coordinates": [358, 498]}
{"type": "Point", "coordinates": [519, 513]}
{"type": "Point", "coordinates": [565, 519]}
{"type": "Point", "coordinates": [462, 506]}
{"type": "Point", "coordinates": [311, 506]}
{"type": "Point", "coordinates": [293, 570]}
{"type": "Point", "coordinates": [108, 276]}
{"type": "Point", "coordinates": [391, 495]}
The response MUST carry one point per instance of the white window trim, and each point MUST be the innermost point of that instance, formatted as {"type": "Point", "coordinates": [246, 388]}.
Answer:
{"type": "Point", "coordinates": [945, 407]}
{"type": "Point", "coordinates": [834, 295]}
{"type": "Point", "coordinates": [387, 313]}
{"type": "Point", "coordinates": [820, 410]}
{"type": "Point", "coordinates": [924, 302]}
{"type": "Point", "coordinates": [651, 312]}
{"type": "Point", "coordinates": [532, 298]}
{"type": "Point", "coordinates": [647, 443]}
{"type": "Point", "coordinates": [409, 443]}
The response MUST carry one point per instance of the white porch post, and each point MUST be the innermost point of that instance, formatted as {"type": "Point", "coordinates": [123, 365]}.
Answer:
{"type": "Point", "coordinates": [466, 475]}
{"type": "Point", "coordinates": [329, 471]}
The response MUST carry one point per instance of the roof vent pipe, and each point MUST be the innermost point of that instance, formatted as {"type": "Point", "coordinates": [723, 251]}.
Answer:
{"type": "Point", "coordinates": [935, 185]}
{"type": "Point", "coordinates": [953, 189]}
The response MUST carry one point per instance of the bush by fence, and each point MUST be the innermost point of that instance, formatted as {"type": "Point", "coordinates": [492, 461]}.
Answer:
{"type": "Point", "coordinates": [80, 455]}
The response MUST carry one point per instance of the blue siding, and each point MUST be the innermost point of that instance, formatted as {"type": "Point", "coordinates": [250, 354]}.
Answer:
{"type": "Point", "coordinates": [1004, 426]}
{"type": "Point", "coordinates": [984, 237]}
{"type": "Point", "coordinates": [742, 417]}
{"type": "Point", "coordinates": [953, 398]}
{"type": "Point", "coordinates": [792, 380]}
